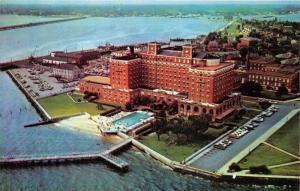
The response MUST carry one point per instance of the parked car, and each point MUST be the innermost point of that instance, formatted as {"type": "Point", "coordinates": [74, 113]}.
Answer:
{"type": "Point", "coordinates": [233, 136]}
{"type": "Point", "coordinates": [252, 123]}
{"type": "Point", "coordinates": [269, 114]}
{"type": "Point", "coordinates": [249, 127]}
{"type": "Point", "coordinates": [258, 119]}
{"type": "Point", "coordinates": [223, 144]}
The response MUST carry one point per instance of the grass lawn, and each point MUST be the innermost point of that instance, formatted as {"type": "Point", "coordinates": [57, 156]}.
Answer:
{"type": "Point", "coordinates": [171, 151]}
{"type": "Point", "coordinates": [287, 137]}
{"type": "Point", "coordinates": [232, 30]}
{"type": "Point", "coordinates": [250, 105]}
{"type": "Point", "coordinates": [265, 155]}
{"type": "Point", "coordinates": [291, 170]}
{"type": "Point", "coordinates": [63, 105]}
{"type": "Point", "coordinates": [76, 96]}
{"type": "Point", "coordinates": [216, 132]}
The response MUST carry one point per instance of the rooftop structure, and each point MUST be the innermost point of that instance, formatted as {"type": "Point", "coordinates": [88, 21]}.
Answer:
{"type": "Point", "coordinates": [205, 82]}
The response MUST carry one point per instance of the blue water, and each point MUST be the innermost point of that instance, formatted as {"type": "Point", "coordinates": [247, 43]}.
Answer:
{"type": "Point", "coordinates": [15, 112]}
{"type": "Point", "coordinates": [131, 119]}
{"type": "Point", "coordinates": [295, 17]}
{"type": "Point", "coordinates": [91, 32]}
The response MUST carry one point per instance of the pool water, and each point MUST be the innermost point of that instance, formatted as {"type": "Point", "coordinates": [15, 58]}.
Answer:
{"type": "Point", "coordinates": [131, 119]}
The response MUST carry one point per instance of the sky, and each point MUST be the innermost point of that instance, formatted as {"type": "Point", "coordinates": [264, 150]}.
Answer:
{"type": "Point", "coordinates": [138, 1]}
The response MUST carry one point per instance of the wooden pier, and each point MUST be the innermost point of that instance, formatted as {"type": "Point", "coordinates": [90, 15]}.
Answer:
{"type": "Point", "coordinates": [106, 156]}
{"type": "Point", "coordinates": [118, 147]}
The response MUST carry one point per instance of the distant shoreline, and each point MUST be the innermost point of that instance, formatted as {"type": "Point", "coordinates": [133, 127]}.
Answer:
{"type": "Point", "coordinates": [11, 27]}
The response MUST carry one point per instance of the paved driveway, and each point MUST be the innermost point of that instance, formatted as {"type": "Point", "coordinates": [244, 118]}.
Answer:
{"type": "Point", "coordinates": [214, 159]}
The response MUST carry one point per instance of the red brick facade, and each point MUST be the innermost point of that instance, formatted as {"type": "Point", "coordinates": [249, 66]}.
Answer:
{"type": "Point", "coordinates": [271, 76]}
{"type": "Point", "coordinates": [171, 75]}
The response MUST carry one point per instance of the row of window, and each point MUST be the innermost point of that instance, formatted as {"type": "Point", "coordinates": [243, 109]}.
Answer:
{"type": "Point", "coordinates": [270, 78]}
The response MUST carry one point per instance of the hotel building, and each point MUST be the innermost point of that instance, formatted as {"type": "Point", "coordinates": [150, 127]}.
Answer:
{"type": "Point", "coordinates": [199, 85]}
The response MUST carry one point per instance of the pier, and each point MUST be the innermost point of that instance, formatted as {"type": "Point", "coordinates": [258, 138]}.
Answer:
{"type": "Point", "coordinates": [106, 156]}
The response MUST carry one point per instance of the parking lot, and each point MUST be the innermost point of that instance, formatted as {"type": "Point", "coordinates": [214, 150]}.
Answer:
{"type": "Point", "coordinates": [41, 84]}
{"type": "Point", "coordinates": [213, 158]}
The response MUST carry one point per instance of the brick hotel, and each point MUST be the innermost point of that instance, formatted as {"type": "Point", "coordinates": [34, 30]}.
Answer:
{"type": "Point", "coordinates": [200, 85]}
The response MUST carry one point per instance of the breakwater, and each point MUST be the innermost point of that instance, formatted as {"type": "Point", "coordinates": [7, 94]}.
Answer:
{"type": "Point", "coordinates": [38, 23]}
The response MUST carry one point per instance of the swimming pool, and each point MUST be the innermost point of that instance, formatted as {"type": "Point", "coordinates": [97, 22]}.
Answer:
{"type": "Point", "coordinates": [132, 119]}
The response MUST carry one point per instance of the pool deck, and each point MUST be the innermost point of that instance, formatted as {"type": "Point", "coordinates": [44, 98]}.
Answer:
{"type": "Point", "coordinates": [107, 126]}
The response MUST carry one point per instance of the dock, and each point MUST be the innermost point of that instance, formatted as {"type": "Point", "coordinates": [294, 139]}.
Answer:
{"type": "Point", "coordinates": [106, 156]}
{"type": "Point", "coordinates": [118, 147]}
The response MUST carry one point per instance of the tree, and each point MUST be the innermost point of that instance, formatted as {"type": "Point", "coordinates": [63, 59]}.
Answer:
{"type": "Point", "coordinates": [187, 129]}
{"type": "Point", "coordinates": [145, 100]}
{"type": "Point", "coordinates": [161, 113]}
{"type": "Point", "coordinates": [128, 106]}
{"type": "Point", "coordinates": [242, 112]}
{"type": "Point", "coordinates": [160, 127]}
{"type": "Point", "coordinates": [234, 167]}
{"type": "Point", "coordinates": [251, 88]}
{"type": "Point", "coordinates": [263, 169]}
{"type": "Point", "coordinates": [173, 108]}
{"type": "Point", "coordinates": [265, 104]}
{"type": "Point", "coordinates": [282, 90]}
{"type": "Point", "coordinates": [199, 124]}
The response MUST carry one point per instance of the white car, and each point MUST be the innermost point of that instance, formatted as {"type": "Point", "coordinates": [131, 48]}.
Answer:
{"type": "Point", "coordinates": [258, 119]}
{"type": "Point", "coordinates": [269, 114]}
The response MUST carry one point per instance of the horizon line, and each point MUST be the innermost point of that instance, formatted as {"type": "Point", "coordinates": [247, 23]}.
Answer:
{"type": "Point", "coordinates": [175, 2]}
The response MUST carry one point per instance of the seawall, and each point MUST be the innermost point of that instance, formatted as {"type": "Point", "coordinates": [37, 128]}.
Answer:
{"type": "Point", "coordinates": [40, 110]}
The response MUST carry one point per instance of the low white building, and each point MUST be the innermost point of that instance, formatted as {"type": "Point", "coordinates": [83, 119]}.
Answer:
{"type": "Point", "coordinates": [68, 71]}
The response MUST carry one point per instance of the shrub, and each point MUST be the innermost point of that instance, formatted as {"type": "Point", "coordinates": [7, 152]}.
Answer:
{"type": "Point", "coordinates": [263, 169]}
{"type": "Point", "coordinates": [234, 167]}
{"type": "Point", "coordinates": [128, 106]}
{"type": "Point", "coordinates": [265, 104]}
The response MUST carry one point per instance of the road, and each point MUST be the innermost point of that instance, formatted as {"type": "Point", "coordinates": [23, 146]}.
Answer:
{"type": "Point", "coordinates": [214, 159]}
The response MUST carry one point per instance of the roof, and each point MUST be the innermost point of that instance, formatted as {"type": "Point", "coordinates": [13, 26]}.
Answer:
{"type": "Point", "coordinates": [126, 58]}
{"type": "Point", "coordinates": [213, 68]}
{"type": "Point", "coordinates": [170, 53]}
{"type": "Point", "coordinates": [97, 79]}
{"type": "Point", "coordinates": [56, 59]}
{"type": "Point", "coordinates": [65, 66]}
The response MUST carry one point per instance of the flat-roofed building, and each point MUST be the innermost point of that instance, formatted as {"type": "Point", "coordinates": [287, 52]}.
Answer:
{"type": "Point", "coordinates": [271, 76]}
{"type": "Point", "coordinates": [199, 85]}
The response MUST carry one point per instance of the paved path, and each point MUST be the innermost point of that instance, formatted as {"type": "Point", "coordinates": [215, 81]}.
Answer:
{"type": "Point", "coordinates": [281, 150]}
{"type": "Point", "coordinates": [284, 164]}
{"type": "Point", "coordinates": [219, 160]}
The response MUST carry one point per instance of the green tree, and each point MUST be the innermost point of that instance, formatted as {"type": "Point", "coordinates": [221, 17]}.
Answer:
{"type": "Point", "coordinates": [251, 88]}
{"type": "Point", "coordinates": [128, 106]}
{"type": "Point", "coordinates": [158, 126]}
{"type": "Point", "coordinates": [265, 104]}
{"type": "Point", "coordinates": [282, 90]}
